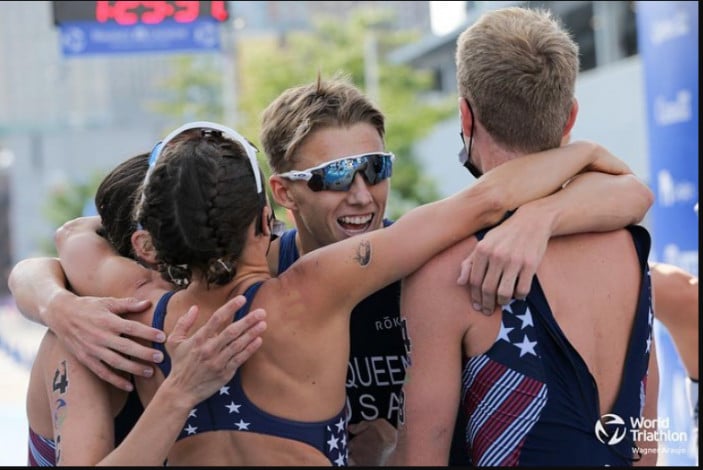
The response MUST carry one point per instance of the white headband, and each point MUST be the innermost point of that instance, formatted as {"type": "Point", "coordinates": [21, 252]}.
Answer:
{"type": "Point", "coordinates": [231, 133]}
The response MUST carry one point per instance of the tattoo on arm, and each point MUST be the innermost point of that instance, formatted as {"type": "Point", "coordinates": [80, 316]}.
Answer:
{"type": "Point", "coordinates": [60, 385]}
{"type": "Point", "coordinates": [363, 253]}
{"type": "Point", "coordinates": [60, 382]}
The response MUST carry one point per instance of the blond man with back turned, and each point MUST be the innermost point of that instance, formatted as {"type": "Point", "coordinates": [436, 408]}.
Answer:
{"type": "Point", "coordinates": [540, 379]}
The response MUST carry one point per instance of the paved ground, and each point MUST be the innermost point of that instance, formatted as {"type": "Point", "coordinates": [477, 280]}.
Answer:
{"type": "Point", "coordinates": [19, 340]}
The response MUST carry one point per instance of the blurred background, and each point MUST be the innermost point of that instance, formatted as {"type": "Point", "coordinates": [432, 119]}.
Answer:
{"type": "Point", "coordinates": [85, 85]}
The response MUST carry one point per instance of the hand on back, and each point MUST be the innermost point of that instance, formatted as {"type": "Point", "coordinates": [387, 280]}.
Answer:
{"type": "Point", "coordinates": [93, 330]}
{"type": "Point", "coordinates": [206, 360]}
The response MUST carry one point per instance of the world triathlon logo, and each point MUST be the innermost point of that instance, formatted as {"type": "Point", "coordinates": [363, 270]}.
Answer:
{"type": "Point", "coordinates": [610, 429]}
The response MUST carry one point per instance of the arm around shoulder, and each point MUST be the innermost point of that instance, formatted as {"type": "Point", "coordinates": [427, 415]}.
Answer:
{"type": "Point", "coordinates": [36, 285]}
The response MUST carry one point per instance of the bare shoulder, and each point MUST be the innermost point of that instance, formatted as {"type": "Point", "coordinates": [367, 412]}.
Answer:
{"type": "Point", "coordinates": [443, 268]}
{"type": "Point", "coordinates": [434, 288]}
{"type": "Point", "coordinates": [584, 244]}
{"type": "Point", "coordinates": [675, 290]}
{"type": "Point", "coordinates": [671, 276]}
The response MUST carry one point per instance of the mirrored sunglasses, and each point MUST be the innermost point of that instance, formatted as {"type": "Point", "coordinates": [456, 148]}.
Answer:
{"type": "Point", "coordinates": [338, 175]}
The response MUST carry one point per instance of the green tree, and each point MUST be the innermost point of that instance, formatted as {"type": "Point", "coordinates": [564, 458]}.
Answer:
{"type": "Point", "coordinates": [68, 201]}
{"type": "Point", "coordinates": [193, 91]}
{"type": "Point", "coordinates": [265, 67]}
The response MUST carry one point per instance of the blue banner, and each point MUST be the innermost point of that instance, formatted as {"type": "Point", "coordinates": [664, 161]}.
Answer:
{"type": "Point", "coordinates": [668, 46]}
{"type": "Point", "coordinates": [85, 38]}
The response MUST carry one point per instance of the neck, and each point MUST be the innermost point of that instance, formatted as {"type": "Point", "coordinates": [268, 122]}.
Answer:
{"type": "Point", "coordinates": [214, 296]}
{"type": "Point", "coordinates": [495, 154]}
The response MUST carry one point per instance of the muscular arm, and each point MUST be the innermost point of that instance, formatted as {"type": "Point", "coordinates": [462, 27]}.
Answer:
{"type": "Point", "coordinates": [505, 261]}
{"type": "Point", "coordinates": [434, 309]}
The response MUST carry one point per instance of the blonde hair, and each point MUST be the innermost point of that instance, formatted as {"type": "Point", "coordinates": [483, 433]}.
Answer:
{"type": "Point", "coordinates": [518, 69]}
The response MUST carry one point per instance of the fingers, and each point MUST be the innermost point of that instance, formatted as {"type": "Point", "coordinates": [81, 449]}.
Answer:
{"type": "Point", "coordinates": [478, 271]}
{"type": "Point", "coordinates": [489, 287]}
{"type": "Point", "coordinates": [115, 349]}
{"type": "Point", "coordinates": [132, 350]}
{"type": "Point", "coordinates": [243, 337]}
{"type": "Point", "coordinates": [107, 375]}
{"type": "Point", "coordinates": [123, 343]}
{"type": "Point", "coordinates": [137, 330]}
{"type": "Point", "coordinates": [222, 317]}
{"type": "Point", "coordinates": [524, 284]}
{"type": "Point", "coordinates": [465, 271]}
{"type": "Point", "coordinates": [127, 305]}
{"type": "Point", "coordinates": [243, 355]}
{"type": "Point", "coordinates": [119, 362]}
{"type": "Point", "coordinates": [507, 283]}
{"type": "Point", "coordinates": [245, 324]}
{"type": "Point", "coordinates": [183, 325]}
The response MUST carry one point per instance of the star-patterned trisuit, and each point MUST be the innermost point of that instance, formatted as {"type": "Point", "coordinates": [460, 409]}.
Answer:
{"type": "Point", "coordinates": [530, 398]}
{"type": "Point", "coordinates": [230, 409]}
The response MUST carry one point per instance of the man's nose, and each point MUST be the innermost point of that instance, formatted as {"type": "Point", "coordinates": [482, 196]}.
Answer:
{"type": "Point", "coordinates": [359, 191]}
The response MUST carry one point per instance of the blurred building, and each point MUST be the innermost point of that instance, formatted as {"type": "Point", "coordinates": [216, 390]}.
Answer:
{"type": "Point", "coordinates": [281, 16]}
{"type": "Point", "coordinates": [610, 83]}
{"type": "Point", "coordinates": [5, 255]}
{"type": "Point", "coordinates": [65, 118]}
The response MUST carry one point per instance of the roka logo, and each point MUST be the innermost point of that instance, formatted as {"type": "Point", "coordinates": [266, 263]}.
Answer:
{"type": "Point", "coordinates": [610, 429]}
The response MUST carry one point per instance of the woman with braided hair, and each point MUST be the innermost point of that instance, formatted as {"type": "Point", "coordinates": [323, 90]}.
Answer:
{"type": "Point", "coordinates": [205, 207]}
{"type": "Point", "coordinates": [74, 416]}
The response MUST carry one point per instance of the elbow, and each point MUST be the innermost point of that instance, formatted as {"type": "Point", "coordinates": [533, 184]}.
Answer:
{"type": "Point", "coordinates": [645, 199]}
{"type": "Point", "coordinates": [12, 279]}
{"type": "Point", "coordinates": [648, 198]}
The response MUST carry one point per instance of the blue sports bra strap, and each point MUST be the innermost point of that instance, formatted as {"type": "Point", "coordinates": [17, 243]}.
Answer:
{"type": "Point", "coordinates": [157, 321]}
{"type": "Point", "coordinates": [249, 294]}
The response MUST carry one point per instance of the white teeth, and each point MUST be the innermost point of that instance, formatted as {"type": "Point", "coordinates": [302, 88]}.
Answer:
{"type": "Point", "coordinates": [356, 220]}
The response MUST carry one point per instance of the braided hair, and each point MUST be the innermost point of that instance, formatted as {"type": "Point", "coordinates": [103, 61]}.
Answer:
{"type": "Point", "coordinates": [198, 203]}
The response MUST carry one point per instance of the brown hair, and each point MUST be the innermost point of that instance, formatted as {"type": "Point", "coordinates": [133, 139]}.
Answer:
{"type": "Point", "coordinates": [115, 199]}
{"type": "Point", "coordinates": [198, 204]}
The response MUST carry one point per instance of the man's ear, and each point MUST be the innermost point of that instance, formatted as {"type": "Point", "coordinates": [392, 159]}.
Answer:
{"type": "Point", "coordinates": [465, 117]}
{"type": "Point", "coordinates": [572, 118]}
{"type": "Point", "coordinates": [143, 246]}
{"type": "Point", "coordinates": [281, 193]}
